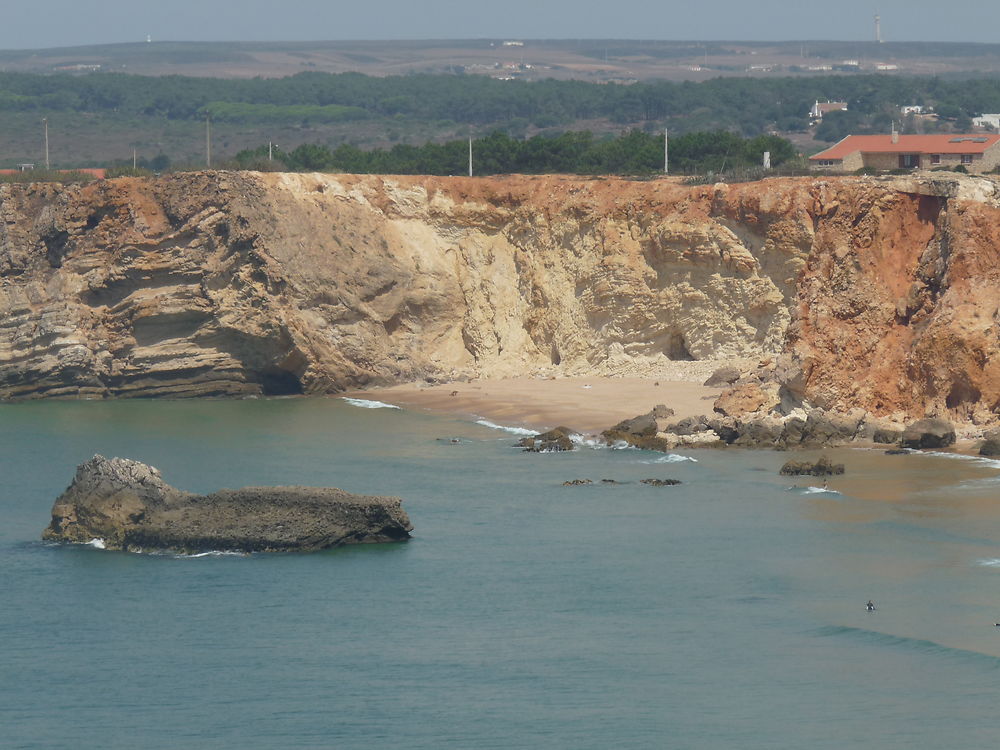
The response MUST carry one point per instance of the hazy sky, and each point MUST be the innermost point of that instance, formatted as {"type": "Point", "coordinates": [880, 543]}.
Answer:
{"type": "Point", "coordinates": [56, 23]}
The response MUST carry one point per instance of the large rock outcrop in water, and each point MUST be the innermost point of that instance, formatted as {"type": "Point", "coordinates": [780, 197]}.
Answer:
{"type": "Point", "coordinates": [127, 505]}
{"type": "Point", "coordinates": [863, 292]}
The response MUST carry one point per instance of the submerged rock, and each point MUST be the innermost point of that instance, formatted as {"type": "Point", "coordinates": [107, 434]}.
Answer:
{"type": "Point", "coordinates": [576, 482]}
{"type": "Point", "coordinates": [127, 505]}
{"type": "Point", "coordinates": [660, 482]}
{"type": "Point", "coordinates": [558, 439]}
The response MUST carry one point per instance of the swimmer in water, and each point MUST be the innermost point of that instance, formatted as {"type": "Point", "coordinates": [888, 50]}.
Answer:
{"type": "Point", "coordinates": [870, 605]}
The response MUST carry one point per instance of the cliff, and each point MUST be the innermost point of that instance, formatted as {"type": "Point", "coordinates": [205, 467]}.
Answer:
{"type": "Point", "coordinates": [127, 505]}
{"type": "Point", "coordinates": [861, 292]}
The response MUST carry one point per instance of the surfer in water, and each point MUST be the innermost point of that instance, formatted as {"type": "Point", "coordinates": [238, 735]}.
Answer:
{"type": "Point", "coordinates": [870, 605]}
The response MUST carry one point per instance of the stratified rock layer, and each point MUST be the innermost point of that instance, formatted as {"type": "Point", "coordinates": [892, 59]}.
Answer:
{"type": "Point", "coordinates": [127, 505]}
{"type": "Point", "coordinates": [879, 294]}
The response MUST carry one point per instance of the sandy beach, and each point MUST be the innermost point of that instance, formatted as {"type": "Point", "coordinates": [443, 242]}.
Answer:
{"type": "Point", "coordinates": [586, 404]}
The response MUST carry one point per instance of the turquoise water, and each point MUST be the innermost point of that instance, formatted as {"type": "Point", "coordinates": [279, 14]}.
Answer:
{"type": "Point", "coordinates": [727, 611]}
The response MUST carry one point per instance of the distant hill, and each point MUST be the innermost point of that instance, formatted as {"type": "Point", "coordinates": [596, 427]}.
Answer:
{"type": "Point", "coordinates": [582, 59]}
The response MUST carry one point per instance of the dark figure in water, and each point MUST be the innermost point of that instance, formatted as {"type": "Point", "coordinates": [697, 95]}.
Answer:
{"type": "Point", "coordinates": [870, 605]}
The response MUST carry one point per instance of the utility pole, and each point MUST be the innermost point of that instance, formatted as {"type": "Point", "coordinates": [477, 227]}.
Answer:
{"type": "Point", "coordinates": [134, 162]}
{"type": "Point", "coordinates": [270, 151]}
{"type": "Point", "coordinates": [45, 122]}
{"type": "Point", "coordinates": [666, 151]}
{"type": "Point", "coordinates": [470, 156]}
{"type": "Point", "coordinates": [208, 141]}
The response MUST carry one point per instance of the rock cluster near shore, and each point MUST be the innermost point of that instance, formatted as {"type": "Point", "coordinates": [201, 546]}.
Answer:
{"type": "Point", "coordinates": [128, 506]}
{"type": "Point", "coordinates": [815, 428]}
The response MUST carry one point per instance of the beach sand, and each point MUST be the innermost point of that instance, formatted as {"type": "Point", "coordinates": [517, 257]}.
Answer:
{"type": "Point", "coordinates": [586, 404]}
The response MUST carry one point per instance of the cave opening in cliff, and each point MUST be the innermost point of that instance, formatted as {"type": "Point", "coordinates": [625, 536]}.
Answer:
{"type": "Point", "coordinates": [277, 382]}
{"type": "Point", "coordinates": [677, 348]}
{"type": "Point", "coordinates": [962, 393]}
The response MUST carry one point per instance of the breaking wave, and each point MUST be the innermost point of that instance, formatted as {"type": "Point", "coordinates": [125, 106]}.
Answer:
{"type": "Point", "coordinates": [511, 430]}
{"type": "Point", "coordinates": [367, 404]}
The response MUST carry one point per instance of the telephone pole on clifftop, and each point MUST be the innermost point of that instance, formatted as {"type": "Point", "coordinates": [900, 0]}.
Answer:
{"type": "Point", "coordinates": [666, 151]}
{"type": "Point", "coordinates": [208, 141]}
{"type": "Point", "coordinates": [45, 122]}
{"type": "Point", "coordinates": [470, 156]}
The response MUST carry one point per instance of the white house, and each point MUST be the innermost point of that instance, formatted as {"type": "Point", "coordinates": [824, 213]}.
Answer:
{"type": "Point", "coordinates": [987, 121]}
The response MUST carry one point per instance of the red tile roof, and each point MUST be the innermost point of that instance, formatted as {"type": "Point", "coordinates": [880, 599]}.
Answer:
{"type": "Point", "coordinates": [910, 144]}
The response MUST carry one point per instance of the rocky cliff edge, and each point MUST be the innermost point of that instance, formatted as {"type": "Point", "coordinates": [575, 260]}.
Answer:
{"type": "Point", "coordinates": [879, 294]}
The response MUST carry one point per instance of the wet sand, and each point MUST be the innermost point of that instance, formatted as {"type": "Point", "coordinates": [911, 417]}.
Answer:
{"type": "Point", "coordinates": [585, 404]}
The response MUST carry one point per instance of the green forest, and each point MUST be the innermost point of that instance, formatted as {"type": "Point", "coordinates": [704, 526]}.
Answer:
{"type": "Point", "coordinates": [633, 153]}
{"type": "Point", "coordinates": [749, 106]}
{"type": "Point", "coordinates": [420, 122]}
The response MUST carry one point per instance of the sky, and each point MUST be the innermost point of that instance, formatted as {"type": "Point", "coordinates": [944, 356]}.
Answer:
{"type": "Point", "coordinates": [58, 23]}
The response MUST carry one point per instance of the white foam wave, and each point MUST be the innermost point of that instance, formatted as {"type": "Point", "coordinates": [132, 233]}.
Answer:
{"type": "Point", "coordinates": [818, 491]}
{"type": "Point", "coordinates": [982, 460]}
{"type": "Point", "coordinates": [675, 458]}
{"type": "Point", "coordinates": [512, 430]}
{"type": "Point", "coordinates": [368, 404]}
{"type": "Point", "coordinates": [991, 562]}
{"type": "Point", "coordinates": [98, 543]}
{"type": "Point", "coordinates": [211, 553]}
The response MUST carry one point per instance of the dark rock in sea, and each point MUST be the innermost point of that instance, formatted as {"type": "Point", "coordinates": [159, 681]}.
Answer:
{"type": "Point", "coordinates": [576, 482]}
{"type": "Point", "coordinates": [660, 482]}
{"type": "Point", "coordinates": [640, 432]}
{"type": "Point", "coordinates": [610, 481]}
{"type": "Point", "coordinates": [126, 504]}
{"type": "Point", "coordinates": [822, 467]}
{"type": "Point", "coordinates": [723, 376]}
{"type": "Point", "coordinates": [689, 426]}
{"type": "Point", "coordinates": [726, 428]}
{"type": "Point", "coordinates": [991, 443]}
{"type": "Point", "coordinates": [897, 451]}
{"type": "Point", "coordinates": [928, 433]}
{"type": "Point", "coordinates": [554, 440]}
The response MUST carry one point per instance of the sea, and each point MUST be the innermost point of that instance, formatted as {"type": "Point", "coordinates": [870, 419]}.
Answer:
{"type": "Point", "coordinates": [725, 612]}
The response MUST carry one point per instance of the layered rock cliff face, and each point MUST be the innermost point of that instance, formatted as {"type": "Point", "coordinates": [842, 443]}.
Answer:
{"type": "Point", "coordinates": [879, 294]}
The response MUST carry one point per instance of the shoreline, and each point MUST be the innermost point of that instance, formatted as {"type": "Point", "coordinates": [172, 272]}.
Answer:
{"type": "Point", "coordinates": [586, 404]}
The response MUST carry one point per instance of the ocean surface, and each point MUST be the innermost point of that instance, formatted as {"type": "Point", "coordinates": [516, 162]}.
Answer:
{"type": "Point", "coordinates": [728, 611]}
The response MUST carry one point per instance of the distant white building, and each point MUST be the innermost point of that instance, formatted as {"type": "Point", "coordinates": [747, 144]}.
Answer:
{"type": "Point", "coordinates": [987, 121]}
{"type": "Point", "coordinates": [513, 44]}
{"type": "Point", "coordinates": [886, 66]}
{"type": "Point", "coordinates": [914, 109]}
{"type": "Point", "coordinates": [821, 108]}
